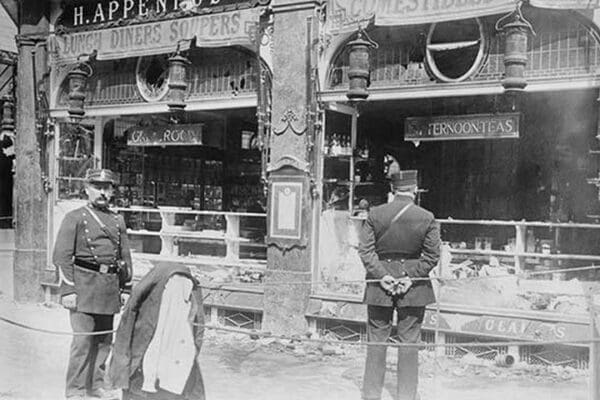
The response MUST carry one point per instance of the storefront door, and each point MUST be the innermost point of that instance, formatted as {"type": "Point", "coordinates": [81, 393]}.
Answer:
{"type": "Point", "coordinates": [336, 216]}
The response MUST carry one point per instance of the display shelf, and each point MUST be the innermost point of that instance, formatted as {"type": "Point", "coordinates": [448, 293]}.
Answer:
{"type": "Point", "coordinates": [171, 233]}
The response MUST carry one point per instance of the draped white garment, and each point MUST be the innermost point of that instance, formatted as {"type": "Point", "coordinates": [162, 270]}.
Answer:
{"type": "Point", "coordinates": [170, 355]}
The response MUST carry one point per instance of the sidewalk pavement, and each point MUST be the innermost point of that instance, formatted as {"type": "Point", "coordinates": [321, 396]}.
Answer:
{"type": "Point", "coordinates": [33, 365]}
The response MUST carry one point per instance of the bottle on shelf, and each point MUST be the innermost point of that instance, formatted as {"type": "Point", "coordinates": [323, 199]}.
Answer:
{"type": "Point", "coordinates": [336, 148]}
{"type": "Point", "coordinates": [349, 146]}
{"type": "Point", "coordinates": [326, 146]}
{"type": "Point", "coordinates": [343, 145]}
{"type": "Point", "coordinates": [363, 151]}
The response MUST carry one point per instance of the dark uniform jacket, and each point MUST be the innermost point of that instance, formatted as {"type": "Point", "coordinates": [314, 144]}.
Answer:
{"type": "Point", "coordinates": [81, 237]}
{"type": "Point", "coordinates": [137, 327]}
{"type": "Point", "coordinates": [409, 246]}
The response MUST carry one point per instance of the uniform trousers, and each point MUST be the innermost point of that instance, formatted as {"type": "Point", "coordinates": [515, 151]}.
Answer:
{"type": "Point", "coordinates": [88, 353]}
{"type": "Point", "coordinates": [379, 328]}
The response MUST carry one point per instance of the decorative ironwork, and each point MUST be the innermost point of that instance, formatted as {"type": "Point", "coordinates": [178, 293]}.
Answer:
{"type": "Point", "coordinates": [341, 330]}
{"type": "Point", "coordinates": [554, 357]}
{"type": "Point", "coordinates": [576, 357]}
{"type": "Point", "coordinates": [240, 319]}
{"type": "Point", "coordinates": [484, 351]}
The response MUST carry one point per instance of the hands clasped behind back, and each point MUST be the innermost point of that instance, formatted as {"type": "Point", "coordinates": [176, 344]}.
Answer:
{"type": "Point", "coordinates": [395, 286]}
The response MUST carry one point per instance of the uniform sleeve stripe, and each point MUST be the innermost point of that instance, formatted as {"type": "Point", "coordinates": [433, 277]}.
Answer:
{"type": "Point", "coordinates": [62, 277]}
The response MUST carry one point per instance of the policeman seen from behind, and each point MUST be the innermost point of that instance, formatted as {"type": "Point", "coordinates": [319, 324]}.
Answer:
{"type": "Point", "coordinates": [399, 241]}
{"type": "Point", "coordinates": [94, 261]}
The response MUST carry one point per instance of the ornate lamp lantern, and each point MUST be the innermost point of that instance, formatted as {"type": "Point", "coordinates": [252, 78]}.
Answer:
{"type": "Point", "coordinates": [178, 66]}
{"type": "Point", "coordinates": [516, 30]}
{"type": "Point", "coordinates": [359, 65]}
{"type": "Point", "coordinates": [7, 132]}
{"type": "Point", "coordinates": [78, 77]}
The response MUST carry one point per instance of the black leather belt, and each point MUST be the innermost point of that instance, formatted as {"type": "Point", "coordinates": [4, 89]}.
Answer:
{"type": "Point", "coordinates": [397, 257]}
{"type": "Point", "coordinates": [102, 268]}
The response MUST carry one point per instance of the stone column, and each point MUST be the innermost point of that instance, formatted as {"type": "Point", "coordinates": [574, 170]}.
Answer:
{"type": "Point", "coordinates": [285, 305]}
{"type": "Point", "coordinates": [30, 198]}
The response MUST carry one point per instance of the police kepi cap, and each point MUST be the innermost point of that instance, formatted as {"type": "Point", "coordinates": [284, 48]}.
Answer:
{"type": "Point", "coordinates": [404, 179]}
{"type": "Point", "coordinates": [100, 175]}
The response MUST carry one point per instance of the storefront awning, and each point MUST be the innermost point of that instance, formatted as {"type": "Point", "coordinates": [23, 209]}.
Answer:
{"type": "Point", "coordinates": [210, 30]}
{"type": "Point", "coordinates": [348, 15]}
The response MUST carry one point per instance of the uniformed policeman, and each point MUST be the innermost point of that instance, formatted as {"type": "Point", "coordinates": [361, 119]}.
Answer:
{"type": "Point", "coordinates": [94, 261]}
{"type": "Point", "coordinates": [398, 241]}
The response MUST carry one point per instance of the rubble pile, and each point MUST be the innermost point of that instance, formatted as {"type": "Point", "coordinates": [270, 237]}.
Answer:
{"type": "Point", "coordinates": [493, 284]}
{"type": "Point", "coordinates": [430, 364]}
{"type": "Point", "coordinates": [220, 276]}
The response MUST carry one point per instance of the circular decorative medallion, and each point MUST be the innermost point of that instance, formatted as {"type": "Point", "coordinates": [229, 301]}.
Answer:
{"type": "Point", "coordinates": [151, 76]}
{"type": "Point", "coordinates": [455, 50]}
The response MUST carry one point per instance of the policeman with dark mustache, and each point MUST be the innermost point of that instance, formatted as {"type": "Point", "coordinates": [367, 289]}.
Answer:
{"type": "Point", "coordinates": [94, 262]}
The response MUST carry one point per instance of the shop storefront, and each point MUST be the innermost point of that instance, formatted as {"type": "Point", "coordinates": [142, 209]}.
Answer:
{"type": "Point", "coordinates": [169, 100]}
{"type": "Point", "coordinates": [511, 178]}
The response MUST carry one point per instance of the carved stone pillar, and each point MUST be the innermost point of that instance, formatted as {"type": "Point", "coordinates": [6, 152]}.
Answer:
{"type": "Point", "coordinates": [290, 260]}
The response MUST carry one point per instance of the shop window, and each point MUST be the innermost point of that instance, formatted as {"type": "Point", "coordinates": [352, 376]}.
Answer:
{"type": "Point", "coordinates": [192, 188]}
{"type": "Point", "coordinates": [351, 183]}
{"type": "Point", "coordinates": [75, 157]}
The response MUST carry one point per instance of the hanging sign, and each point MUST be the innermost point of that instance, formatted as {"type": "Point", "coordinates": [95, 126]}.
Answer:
{"type": "Point", "coordinates": [84, 13]}
{"type": "Point", "coordinates": [210, 30]}
{"type": "Point", "coordinates": [169, 135]}
{"type": "Point", "coordinates": [525, 329]}
{"type": "Point", "coordinates": [456, 127]}
{"type": "Point", "coordinates": [566, 4]}
{"type": "Point", "coordinates": [347, 15]}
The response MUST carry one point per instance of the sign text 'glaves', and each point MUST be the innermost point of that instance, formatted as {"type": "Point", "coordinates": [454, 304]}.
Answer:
{"type": "Point", "coordinates": [170, 135]}
{"type": "Point", "coordinates": [476, 126]}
